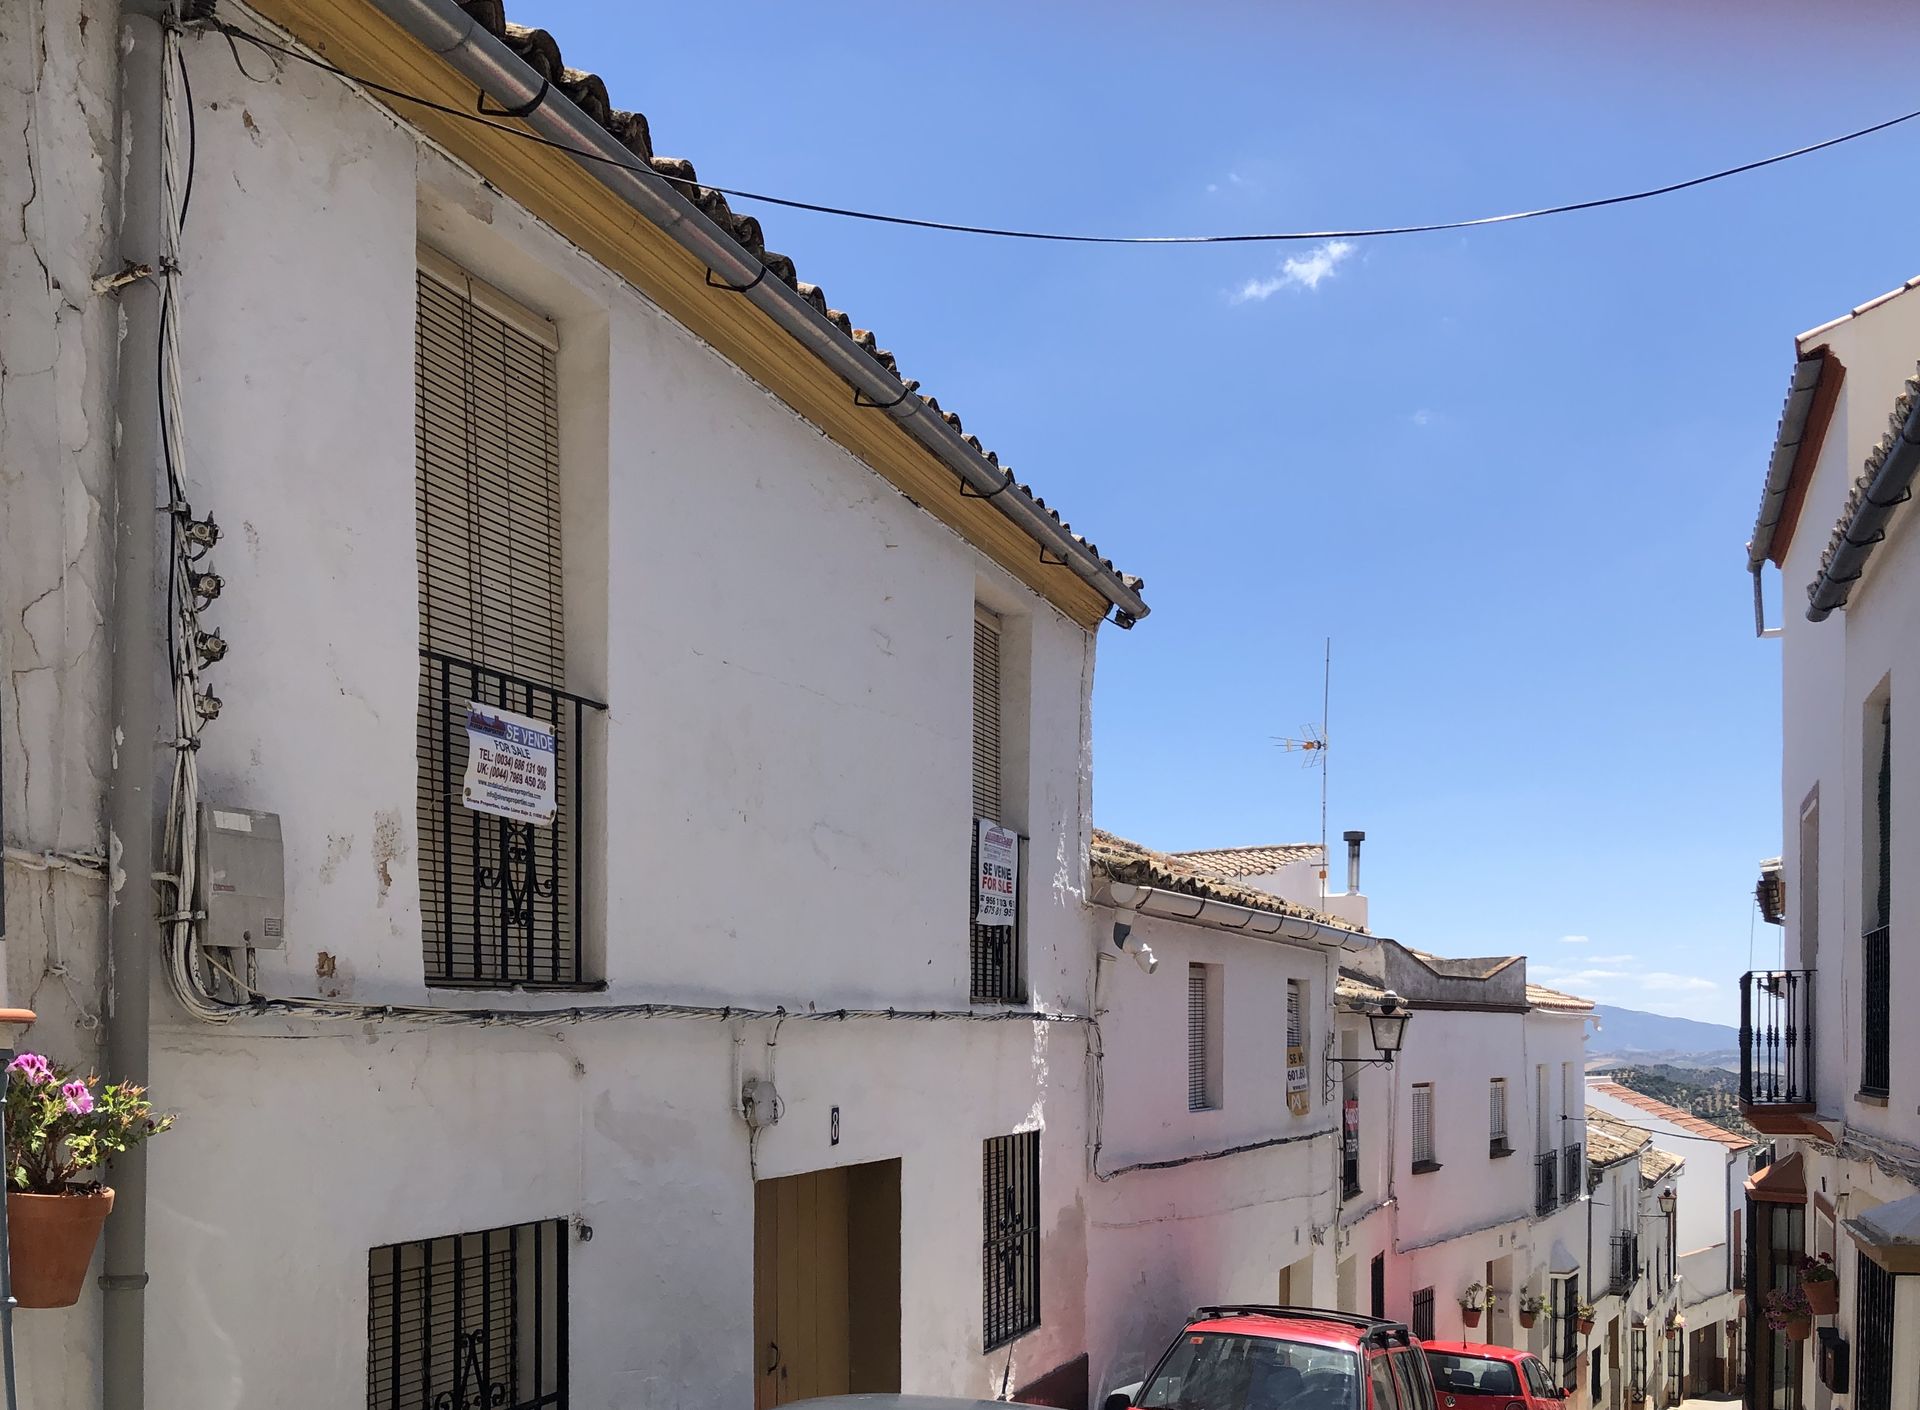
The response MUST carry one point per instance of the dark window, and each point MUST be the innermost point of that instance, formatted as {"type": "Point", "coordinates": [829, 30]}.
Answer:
{"type": "Point", "coordinates": [1873, 1317]}
{"type": "Point", "coordinates": [1416, 1386]}
{"type": "Point", "coordinates": [1876, 977]}
{"type": "Point", "coordinates": [1423, 1314]}
{"type": "Point", "coordinates": [1381, 1380]}
{"type": "Point", "coordinates": [500, 896]}
{"type": "Point", "coordinates": [1225, 1370]}
{"type": "Point", "coordinates": [1639, 1368]}
{"type": "Point", "coordinates": [1566, 1328]}
{"type": "Point", "coordinates": [469, 1320]}
{"type": "Point", "coordinates": [1377, 1276]}
{"type": "Point", "coordinates": [1539, 1383]}
{"type": "Point", "coordinates": [1010, 1209]}
{"type": "Point", "coordinates": [1473, 1375]}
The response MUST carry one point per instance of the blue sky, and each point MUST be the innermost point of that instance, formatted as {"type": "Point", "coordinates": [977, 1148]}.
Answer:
{"type": "Point", "coordinates": [1510, 472]}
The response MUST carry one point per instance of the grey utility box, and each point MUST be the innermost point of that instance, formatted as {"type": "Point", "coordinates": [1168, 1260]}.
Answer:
{"type": "Point", "coordinates": [243, 879]}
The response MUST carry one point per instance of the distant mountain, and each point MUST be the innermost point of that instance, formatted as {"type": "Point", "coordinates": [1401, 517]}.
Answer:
{"type": "Point", "coordinates": [1631, 1035]}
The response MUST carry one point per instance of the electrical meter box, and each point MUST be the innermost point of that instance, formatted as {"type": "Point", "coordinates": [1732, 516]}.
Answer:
{"type": "Point", "coordinates": [243, 879]}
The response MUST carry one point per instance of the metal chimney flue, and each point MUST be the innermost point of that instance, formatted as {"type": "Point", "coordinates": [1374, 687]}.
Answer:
{"type": "Point", "coordinates": [1354, 839]}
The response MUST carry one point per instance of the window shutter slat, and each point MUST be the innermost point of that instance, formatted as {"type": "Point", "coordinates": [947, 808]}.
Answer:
{"type": "Point", "coordinates": [986, 719]}
{"type": "Point", "coordinates": [1198, 1041]}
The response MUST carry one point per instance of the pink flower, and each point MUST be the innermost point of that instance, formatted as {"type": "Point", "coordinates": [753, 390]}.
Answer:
{"type": "Point", "coordinates": [79, 1099]}
{"type": "Point", "coordinates": [33, 1067]}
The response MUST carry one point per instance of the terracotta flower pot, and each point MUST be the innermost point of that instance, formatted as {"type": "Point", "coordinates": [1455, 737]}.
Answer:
{"type": "Point", "coordinates": [1672, 1332]}
{"type": "Point", "coordinates": [1527, 1319]}
{"type": "Point", "coordinates": [1470, 1316]}
{"type": "Point", "coordinates": [1586, 1325]}
{"type": "Point", "coordinates": [50, 1241]}
{"type": "Point", "coordinates": [1823, 1297]}
{"type": "Point", "coordinates": [1799, 1329]}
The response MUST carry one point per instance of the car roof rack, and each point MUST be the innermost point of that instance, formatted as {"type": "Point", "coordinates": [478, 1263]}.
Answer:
{"type": "Point", "coordinates": [1373, 1328]}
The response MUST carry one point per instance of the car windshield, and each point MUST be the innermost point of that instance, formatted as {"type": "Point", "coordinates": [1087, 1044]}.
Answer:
{"type": "Point", "coordinates": [1472, 1375]}
{"type": "Point", "coordinates": [1220, 1371]}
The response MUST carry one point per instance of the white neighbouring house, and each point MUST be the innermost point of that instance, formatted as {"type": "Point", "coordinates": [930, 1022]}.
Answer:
{"type": "Point", "coordinates": [546, 1113]}
{"type": "Point", "coordinates": [1830, 1054]}
{"type": "Point", "coordinates": [1709, 1226]}
{"type": "Point", "coordinates": [1471, 1162]}
{"type": "Point", "coordinates": [1215, 1141]}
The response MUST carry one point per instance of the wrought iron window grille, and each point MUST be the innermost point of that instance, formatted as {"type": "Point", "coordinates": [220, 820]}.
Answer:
{"type": "Point", "coordinates": [1010, 1210]}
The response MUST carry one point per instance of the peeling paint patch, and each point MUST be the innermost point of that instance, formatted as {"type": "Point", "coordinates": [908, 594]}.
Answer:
{"type": "Point", "coordinates": [389, 846]}
{"type": "Point", "coordinates": [339, 848]}
{"type": "Point", "coordinates": [323, 965]}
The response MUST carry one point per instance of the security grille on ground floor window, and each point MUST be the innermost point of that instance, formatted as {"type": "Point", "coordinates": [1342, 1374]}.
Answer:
{"type": "Point", "coordinates": [500, 897]}
{"type": "Point", "coordinates": [1566, 1325]}
{"type": "Point", "coordinates": [1010, 1210]}
{"type": "Point", "coordinates": [1423, 1314]}
{"type": "Point", "coordinates": [469, 1320]}
{"type": "Point", "coordinates": [1874, 1291]}
{"type": "Point", "coordinates": [1423, 1123]}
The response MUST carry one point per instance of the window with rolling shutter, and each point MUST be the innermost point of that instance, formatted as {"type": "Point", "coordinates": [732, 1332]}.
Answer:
{"type": "Point", "coordinates": [1204, 1034]}
{"type": "Point", "coordinates": [1422, 1125]}
{"type": "Point", "coordinates": [1199, 1022]}
{"type": "Point", "coordinates": [996, 961]}
{"type": "Point", "coordinates": [1497, 1117]}
{"type": "Point", "coordinates": [500, 897]}
{"type": "Point", "coordinates": [469, 1319]}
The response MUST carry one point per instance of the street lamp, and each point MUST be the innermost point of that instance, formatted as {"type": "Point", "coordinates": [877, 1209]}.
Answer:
{"type": "Point", "coordinates": [1668, 1200]}
{"type": "Point", "coordinates": [1388, 1019]}
{"type": "Point", "coordinates": [1389, 1024]}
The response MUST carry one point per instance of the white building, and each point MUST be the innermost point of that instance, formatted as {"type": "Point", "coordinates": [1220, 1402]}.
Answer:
{"type": "Point", "coordinates": [1709, 1191]}
{"type": "Point", "coordinates": [483, 422]}
{"type": "Point", "coordinates": [1470, 1161]}
{"type": "Point", "coordinates": [1215, 1140]}
{"type": "Point", "coordinates": [1829, 1064]}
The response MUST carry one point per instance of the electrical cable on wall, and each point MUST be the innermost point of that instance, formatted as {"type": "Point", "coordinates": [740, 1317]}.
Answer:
{"type": "Point", "coordinates": [480, 115]}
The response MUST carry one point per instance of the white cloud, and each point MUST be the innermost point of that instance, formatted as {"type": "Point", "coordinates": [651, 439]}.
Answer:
{"type": "Point", "coordinates": [1573, 940]}
{"type": "Point", "coordinates": [1661, 982]}
{"type": "Point", "coordinates": [1423, 417]}
{"type": "Point", "coordinates": [1297, 272]}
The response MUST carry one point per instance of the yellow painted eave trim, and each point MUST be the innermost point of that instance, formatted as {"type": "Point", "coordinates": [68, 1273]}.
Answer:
{"type": "Point", "coordinates": [558, 190]}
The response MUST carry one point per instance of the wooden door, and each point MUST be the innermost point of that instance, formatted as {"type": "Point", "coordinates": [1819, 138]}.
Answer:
{"type": "Point", "coordinates": [800, 1305]}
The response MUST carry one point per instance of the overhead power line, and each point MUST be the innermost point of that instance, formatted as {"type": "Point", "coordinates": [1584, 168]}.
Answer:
{"type": "Point", "coordinates": [1058, 236]}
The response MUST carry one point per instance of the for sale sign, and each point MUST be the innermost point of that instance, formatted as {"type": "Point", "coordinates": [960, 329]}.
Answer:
{"type": "Point", "coordinates": [998, 882]}
{"type": "Point", "coordinates": [510, 765]}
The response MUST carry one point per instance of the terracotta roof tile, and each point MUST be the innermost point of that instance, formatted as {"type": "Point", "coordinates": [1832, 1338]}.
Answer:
{"type": "Point", "coordinates": [1656, 1165]}
{"type": "Point", "coordinates": [1610, 1139]}
{"type": "Point", "coordinates": [1539, 996]}
{"type": "Point", "coordinates": [1129, 862]}
{"type": "Point", "coordinates": [541, 52]}
{"type": "Point", "coordinates": [1863, 483]}
{"type": "Point", "coordinates": [1231, 862]}
{"type": "Point", "coordinates": [1686, 1121]}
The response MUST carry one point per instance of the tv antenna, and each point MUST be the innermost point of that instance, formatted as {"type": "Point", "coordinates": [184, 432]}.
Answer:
{"type": "Point", "coordinates": [1312, 744]}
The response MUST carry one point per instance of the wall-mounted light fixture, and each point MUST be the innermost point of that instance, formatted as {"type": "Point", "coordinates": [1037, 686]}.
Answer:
{"type": "Point", "coordinates": [1388, 1019]}
{"type": "Point", "coordinates": [1668, 1200]}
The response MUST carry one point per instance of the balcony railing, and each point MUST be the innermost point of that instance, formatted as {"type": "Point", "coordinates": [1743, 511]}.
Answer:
{"type": "Point", "coordinates": [996, 961]}
{"type": "Point", "coordinates": [1624, 1266]}
{"type": "Point", "coordinates": [1546, 1183]}
{"type": "Point", "coordinates": [1573, 1173]}
{"type": "Point", "coordinates": [500, 897]}
{"type": "Point", "coordinates": [1776, 1039]}
{"type": "Point", "coordinates": [1876, 1011]}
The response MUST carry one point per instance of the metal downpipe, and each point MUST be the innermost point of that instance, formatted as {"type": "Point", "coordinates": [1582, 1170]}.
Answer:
{"type": "Point", "coordinates": [138, 748]}
{"type": "Point", "coordinates": [495, 69]}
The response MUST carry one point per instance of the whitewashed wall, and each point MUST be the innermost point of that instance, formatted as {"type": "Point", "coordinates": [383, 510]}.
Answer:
{"type": "Point", "coordinates": [57, 368]}
{"type": "Point", "coordinates": [785, 643]}
{"type": "Point", "coordinates": [1163, 1242]}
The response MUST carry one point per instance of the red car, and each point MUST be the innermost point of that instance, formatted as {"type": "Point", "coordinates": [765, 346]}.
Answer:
{"type": "Point", "coordinates": [1284, 1358]}
{"type": "Point", "coordinates": [1468, 1375]}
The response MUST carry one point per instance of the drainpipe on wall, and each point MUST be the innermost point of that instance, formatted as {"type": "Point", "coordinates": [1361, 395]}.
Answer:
{"type": "Point", "coordinates": [139, 751]}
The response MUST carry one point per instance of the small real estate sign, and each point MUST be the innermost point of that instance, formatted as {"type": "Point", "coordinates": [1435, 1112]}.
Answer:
{"type": "Point", "coordinates": [1297, 1079]}
{"type": "Point", "coordinates": [510, 765]}
{"type": "Point", "coordinates": [998, 881]}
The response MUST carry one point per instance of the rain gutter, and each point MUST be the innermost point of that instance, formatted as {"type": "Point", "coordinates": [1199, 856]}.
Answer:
{"type": "Point", "coordinates": [510, 82]}
{"type": "Point", "coordinates": [1225, 915]}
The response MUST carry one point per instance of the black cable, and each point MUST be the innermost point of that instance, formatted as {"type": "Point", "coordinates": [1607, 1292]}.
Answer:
{"type": "Point", "coordinates": [193, 137]}
{"type": "Point", "coordinates": [1005, 233]}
